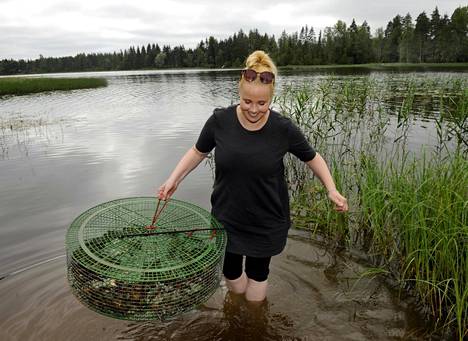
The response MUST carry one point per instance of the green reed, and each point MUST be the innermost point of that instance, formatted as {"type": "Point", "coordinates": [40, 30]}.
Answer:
{"type": "Point", "coordinates": [408, 202]}
{"type": "Point", "coordinates": [28, 85]}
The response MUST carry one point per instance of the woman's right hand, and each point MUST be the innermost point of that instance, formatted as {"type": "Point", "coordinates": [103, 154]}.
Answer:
{"type": "Point", "coordinates": [167, 189]}
{"type": "Point", "coordinates": [189, 161]}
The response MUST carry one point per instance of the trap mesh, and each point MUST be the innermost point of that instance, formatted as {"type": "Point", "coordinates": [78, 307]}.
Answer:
{"type": "Point", "coordinates": [119, 267]}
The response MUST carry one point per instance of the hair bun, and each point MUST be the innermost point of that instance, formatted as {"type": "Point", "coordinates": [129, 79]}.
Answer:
{"type": "Point", "coordinates": [260, 60]}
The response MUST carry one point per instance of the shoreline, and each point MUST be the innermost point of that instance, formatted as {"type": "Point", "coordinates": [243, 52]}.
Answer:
{"type": "Point", "coordinates": [369, 66]}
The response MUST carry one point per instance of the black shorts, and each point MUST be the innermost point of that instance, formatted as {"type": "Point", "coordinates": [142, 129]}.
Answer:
{"type": "Point", "coordinates": [256, 268]}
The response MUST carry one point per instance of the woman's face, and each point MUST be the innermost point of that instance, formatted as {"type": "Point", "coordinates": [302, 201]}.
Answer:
{"type": "Point", "coordinates": [255, 100]}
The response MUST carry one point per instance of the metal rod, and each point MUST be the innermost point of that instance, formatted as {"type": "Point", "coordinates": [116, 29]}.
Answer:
{"type": "Point", "coordinates": [168, 232]}
{"type": "Point", "coordinates": [157, 213]}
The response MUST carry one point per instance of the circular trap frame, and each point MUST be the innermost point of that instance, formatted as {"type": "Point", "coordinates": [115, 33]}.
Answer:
{"type": "Point", "coordinates": [123, 265]}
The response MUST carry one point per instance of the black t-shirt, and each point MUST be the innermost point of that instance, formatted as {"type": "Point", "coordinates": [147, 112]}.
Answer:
{"type": "Point", "coordinates": [250, 194]}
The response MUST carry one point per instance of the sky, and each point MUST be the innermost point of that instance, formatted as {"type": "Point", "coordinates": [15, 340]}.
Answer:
{"type": "Point", "coordinates": [55, 28]}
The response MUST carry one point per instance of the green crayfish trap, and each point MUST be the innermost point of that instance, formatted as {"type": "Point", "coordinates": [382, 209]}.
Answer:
{"type": "Point", "coordinates": [123, 266]}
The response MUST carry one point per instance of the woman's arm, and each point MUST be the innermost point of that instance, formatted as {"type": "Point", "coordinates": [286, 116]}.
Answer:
{"type": "Point", "coordinates": [320, 169]}
{"type": "Point", "coordinates": [187, 163]}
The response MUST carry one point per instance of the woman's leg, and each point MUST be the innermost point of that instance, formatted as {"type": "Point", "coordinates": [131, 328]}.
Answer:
{"type": "Point", "coordinates": [256, 291]}
{"type": "Point", "coordinates": [257, 270]}
{"type": "Point", "coordinates": [236, 279]}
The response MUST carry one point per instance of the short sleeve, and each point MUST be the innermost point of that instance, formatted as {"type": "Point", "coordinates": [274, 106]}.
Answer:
{"type": "Point", "coordinates": [298, 144]}
{"type": "Point", "coordinates": [206, 141]}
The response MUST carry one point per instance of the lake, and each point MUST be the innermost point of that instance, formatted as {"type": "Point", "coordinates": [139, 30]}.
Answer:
{"type": "Point", "coordinates": [64, 152]}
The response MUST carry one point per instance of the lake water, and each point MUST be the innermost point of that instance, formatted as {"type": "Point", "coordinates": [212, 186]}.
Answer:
{"type": "Point", "coordinates": [64, 152]}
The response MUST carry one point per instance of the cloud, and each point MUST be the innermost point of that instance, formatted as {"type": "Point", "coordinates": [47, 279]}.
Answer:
{"type": "Point", "coordinates": [31, 43]}
{"type": "Point", "coordinates": [56, 28]}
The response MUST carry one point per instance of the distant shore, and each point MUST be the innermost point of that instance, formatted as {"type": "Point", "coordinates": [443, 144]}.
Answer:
{"type": "Point", "coordinates": [21, 85]}
{"type": "Point", "coordinates": [370, 66]}
{"type": "Point", "coordinates": [27, 85]}
{"type": "Point", "coordinates": [382, 66]}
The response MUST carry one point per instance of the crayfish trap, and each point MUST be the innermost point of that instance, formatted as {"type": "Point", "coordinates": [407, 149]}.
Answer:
{"type": "Point", "coordinates": [128, 262]}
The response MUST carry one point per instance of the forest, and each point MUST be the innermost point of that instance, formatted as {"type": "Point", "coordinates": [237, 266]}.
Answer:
{"type": "Point", "coordinates": [433, 38]}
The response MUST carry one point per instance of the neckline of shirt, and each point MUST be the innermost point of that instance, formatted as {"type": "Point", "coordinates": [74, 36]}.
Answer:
{"type": "Point", "coordinates": [239, 124]}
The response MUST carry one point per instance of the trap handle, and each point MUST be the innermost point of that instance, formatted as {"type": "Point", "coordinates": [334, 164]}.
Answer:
{"type": "Point", "coordinates": [168, 232]}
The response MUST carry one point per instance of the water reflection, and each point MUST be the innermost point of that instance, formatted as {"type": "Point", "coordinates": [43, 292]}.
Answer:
{"type": "Point", "coordinates": [97, 145]}
{"type": "Point", "coordinates": [235, 320]}
{"type": "Point", "coordinates": [314, 295]}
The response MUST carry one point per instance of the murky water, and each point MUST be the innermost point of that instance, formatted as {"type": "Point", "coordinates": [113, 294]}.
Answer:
{"type": "Point", "coordinates": [74, 150]}
{"type": "Point", "coordinates": [314, 295]}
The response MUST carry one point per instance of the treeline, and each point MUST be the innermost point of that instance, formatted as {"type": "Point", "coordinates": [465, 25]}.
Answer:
{"type": "Point", "coordinates": [435, 39]}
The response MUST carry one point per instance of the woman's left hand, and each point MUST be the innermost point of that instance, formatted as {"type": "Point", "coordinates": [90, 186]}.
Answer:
{"type": "Point", "coordinates": [341, 204]}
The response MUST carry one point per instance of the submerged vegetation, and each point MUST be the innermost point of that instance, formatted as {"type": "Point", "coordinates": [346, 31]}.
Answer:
{"type": "Point", "coordinates": [398, 150]}
{"type": "Point", "coordinates": [26, 85]}
{"type": "Point", "coordinates": [20, 130]}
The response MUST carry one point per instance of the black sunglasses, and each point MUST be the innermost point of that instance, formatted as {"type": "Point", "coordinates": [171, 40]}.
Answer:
{"type": "Point", "coordinates": [266, 77]}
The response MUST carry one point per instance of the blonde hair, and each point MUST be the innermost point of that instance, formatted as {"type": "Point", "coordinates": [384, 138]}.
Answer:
{"type": "Point", "coordinates": [260, 61]}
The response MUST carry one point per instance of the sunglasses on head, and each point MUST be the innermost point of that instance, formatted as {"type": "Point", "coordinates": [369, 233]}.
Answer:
{"type": "Point", "coordinates": [266, 77]}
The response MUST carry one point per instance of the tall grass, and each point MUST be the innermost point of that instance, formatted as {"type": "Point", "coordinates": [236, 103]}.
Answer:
{"type": "Point", "coordinates": [408, 199]}
{"type": "Point", "coordinates": [27, 85]}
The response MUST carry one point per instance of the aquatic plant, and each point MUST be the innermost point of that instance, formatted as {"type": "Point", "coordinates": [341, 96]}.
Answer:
{"type": "Point", "coordinates": [28, 85]}
{"type": "Point", "coordinates": [397, 148]}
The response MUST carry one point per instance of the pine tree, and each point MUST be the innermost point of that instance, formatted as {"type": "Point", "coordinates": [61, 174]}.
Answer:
{"type": "Point", "coordinates": [407, 38]}
{"type": "Point", "coordinates": [459, 25]}
{"type": "Point", "coordinates": [422, 37]}
{"type": "Point", "coordinates": [435, 30]}
{"type": "Point", "coordinates": [392, 40]}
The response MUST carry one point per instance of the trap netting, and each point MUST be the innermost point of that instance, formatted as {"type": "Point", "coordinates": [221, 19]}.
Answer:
{"type": "Point", "coordinates": [122, 265]}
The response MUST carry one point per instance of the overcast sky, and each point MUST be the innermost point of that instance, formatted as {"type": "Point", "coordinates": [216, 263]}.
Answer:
{"type": "Point", "coordinates": [60, 28]}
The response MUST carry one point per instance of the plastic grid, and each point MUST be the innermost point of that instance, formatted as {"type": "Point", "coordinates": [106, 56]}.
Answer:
{"type": "Point", "coordinates": [120, 268]}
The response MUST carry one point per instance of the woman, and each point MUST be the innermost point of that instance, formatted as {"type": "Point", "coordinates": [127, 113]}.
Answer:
{"type": "Point", "coordinates": [250, 195]}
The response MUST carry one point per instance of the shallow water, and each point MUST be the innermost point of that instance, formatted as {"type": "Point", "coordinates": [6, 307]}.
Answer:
{"type": "Point", "coordinates": [314, 295]}
{"type": "Point", "coordinates": [73, 150]}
